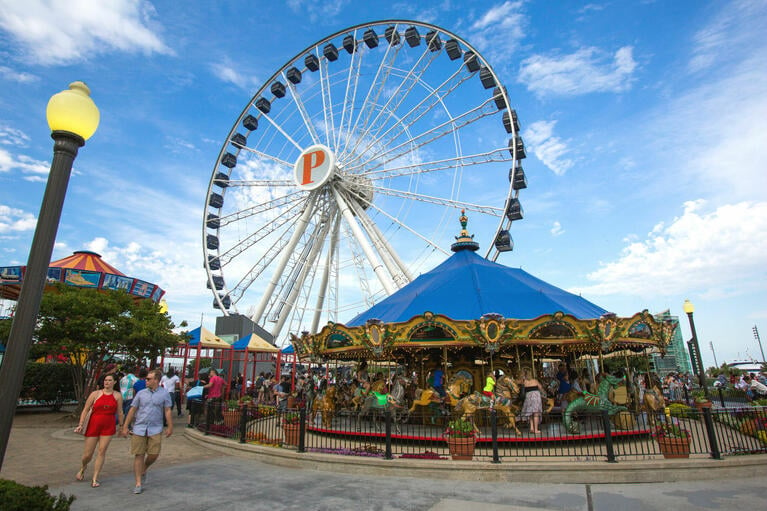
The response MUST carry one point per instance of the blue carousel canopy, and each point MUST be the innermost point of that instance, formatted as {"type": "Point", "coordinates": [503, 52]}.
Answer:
{"type": "Point", "coordinates": [466, 286]}
{"type": "Point", "coordinates": [289, 349]}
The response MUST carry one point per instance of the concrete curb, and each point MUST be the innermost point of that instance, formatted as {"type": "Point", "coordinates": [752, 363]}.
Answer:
{"type": "Point", "coordinates": [560, 472]}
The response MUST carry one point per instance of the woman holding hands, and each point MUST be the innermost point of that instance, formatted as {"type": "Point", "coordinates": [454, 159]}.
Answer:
{"type": "Point", "coordinates": [103, 405]}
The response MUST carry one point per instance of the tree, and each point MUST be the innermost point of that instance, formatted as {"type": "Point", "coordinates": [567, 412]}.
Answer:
{"type": "Point", "coordinates": [86, 328]}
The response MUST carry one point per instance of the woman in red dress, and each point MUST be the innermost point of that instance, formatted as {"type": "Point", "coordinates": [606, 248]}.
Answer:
{"type": "Point", "coordinates": [105, 404]}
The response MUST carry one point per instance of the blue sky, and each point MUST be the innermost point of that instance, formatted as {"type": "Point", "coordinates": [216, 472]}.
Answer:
{"type": "Point", "coordinates": [644, 124]}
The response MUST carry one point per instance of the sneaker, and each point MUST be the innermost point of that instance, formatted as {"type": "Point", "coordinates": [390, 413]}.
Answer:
{"type": "Point", "coordinates": [143, 478]}
{"type": "Point", "coordinates": [137, 490]}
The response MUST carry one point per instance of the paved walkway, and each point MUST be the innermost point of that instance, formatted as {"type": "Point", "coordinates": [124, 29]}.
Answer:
{"type": "Point", "coordinates": [189, 477]}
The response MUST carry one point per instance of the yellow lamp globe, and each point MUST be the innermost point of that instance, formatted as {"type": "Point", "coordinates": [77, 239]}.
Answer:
{"type": "Point", "coordinates": [74, 111]}
{"type": "Point", "coordinates": [688, 307]}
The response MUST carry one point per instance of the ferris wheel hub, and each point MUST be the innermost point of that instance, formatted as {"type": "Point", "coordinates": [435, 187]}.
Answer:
{"type": "Point", "coordinates": [314, 167]}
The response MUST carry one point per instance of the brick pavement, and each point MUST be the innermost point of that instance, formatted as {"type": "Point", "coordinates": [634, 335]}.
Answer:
{"type": "Point", "coordinates": [44, 450]}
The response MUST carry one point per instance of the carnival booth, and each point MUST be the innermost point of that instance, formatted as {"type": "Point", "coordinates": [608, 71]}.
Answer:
{"type": "Point", "coordinates": [261, 350]}
{"type": "Point", "coordinates": [206, 345]}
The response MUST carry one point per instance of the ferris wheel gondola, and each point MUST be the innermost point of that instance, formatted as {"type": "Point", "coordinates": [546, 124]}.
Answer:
{"type": "Point", "coordinates": [343, 176]}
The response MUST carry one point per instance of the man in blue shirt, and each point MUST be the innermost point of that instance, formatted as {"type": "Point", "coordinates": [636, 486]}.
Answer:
{"type": "Point", "coordinates": [148, 408]}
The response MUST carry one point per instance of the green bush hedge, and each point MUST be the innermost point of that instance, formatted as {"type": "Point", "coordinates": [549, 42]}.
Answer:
{"type": "Point", "coordinates": [17, 497]}
{"type": "Point", "coordinates": [44, 382]}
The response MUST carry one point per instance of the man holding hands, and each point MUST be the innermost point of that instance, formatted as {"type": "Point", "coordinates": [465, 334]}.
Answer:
{"type": "Point", "coordinates": [148, 408]}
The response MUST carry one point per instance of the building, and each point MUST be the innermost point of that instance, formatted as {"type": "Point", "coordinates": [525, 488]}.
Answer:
{"type": "Point", "coordinates": [677, 359]}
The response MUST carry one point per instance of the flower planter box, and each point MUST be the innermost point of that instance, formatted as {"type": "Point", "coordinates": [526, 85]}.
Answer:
{"type": "Point", "coordinates": [232, 418]}
{"type": "Point", "coordinates": [291, 433]}
{"type": "Point", "coordinates": [701, 405]}
{"type": "Point", "coordinates": [672, 447]}
{"type": "Point", "coordinates": [461, 448]}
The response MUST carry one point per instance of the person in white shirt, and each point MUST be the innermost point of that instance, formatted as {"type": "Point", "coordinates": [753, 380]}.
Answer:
{"type": "Point", "coordinates": [126, 388]}
{"type": "Point", "coordinates": [759, 390]}
{"type": "Point", "coordinates": [169, 382]}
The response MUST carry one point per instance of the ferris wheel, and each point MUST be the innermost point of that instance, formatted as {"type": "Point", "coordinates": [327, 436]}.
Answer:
{"type": "Point", "coordinates": [345, 174]}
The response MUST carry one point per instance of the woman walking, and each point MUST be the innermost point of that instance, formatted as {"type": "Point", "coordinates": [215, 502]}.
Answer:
{"type": "Point", "coordinates": [533, 405]}
{"type": "Point", "coordinates": [103, 405]}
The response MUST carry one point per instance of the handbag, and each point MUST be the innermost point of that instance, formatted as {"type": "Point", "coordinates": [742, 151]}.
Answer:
{"type": "Point", "coordinates": [522, 394]}
{"type": "Point", "coordinates": [85, 423]}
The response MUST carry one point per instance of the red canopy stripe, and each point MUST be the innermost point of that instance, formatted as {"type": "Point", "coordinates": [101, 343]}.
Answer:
{"type": "Point", "coordinates": [85, 260]}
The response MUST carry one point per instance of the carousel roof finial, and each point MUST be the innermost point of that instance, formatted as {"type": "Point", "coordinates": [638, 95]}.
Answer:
{"type": "Point", "coordinates": [464, 241]}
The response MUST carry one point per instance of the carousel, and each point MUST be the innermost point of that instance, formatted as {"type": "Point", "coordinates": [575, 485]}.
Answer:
{"type": "Point", "coordinates": [470, 318]}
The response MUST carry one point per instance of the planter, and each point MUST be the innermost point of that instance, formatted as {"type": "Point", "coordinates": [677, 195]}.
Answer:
{"type": "Point", "coordinates": [704, 404]}
{"type": "Point", "coordinates": [674, 447]}
{"type": "Point", "coordinates": [291, 433]}
{"type": "Point", "coordinates": [232, 418]}
{"type": "Point", "coordinates": [461, 448]}
{"type": "Point", "coordinates": [291, 403]}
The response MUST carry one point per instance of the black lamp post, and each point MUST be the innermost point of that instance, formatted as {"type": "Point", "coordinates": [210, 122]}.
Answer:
{"type": "Point", "coordinates": [73, 118]}
{"type": "Point", "coordinates": [694, 347]}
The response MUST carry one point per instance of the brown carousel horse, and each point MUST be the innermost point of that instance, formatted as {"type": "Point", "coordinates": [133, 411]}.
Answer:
{"type": "Point", "coordinates": [325, 404]}
{"type": "Point", "coordinates": [454, 391]}
{"type": "Point", "coordinates": [505, 392]}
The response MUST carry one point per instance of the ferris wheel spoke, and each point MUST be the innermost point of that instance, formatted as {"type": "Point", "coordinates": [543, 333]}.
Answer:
{"type": "Point", "coordinates": [427, 104]}
{"type": "Point", "coordinates": [412, 231]}
{"type": "Point", "coordinates": [358, 261]}
{"type": "Point", "coordinates": [282, 131]}
{"type": "Point", "coordinates": [377, 86]}
{"type": "Point", "coordinates": [261, 183]}
{"type": "Point", "coordinates": [450, 126]}
{"type": "Point", "coordinates": [266, 156]}
{"type": "Point", "coordinates": [485, 210]}
{"type": "Point", "coordinates": [282, 219]}
{"type": "Point", "coordinates": [263, 207]}
{"type": "Point", "coordinates": [301, 107]}
{"type": "Point", "coordinates": [258, 268]}
{"type": "Point", "coordinates": [391, 106]}
{"type": "Point", "coordinates": [467, 160]}
{"type": "Point", "coordinates": [327, 99]}
{"type": "Point", "coordinates": [352, 82]}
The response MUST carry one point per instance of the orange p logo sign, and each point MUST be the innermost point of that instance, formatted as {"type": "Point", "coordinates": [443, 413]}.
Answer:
{"type": "Point", "coordinates": [312, 160]}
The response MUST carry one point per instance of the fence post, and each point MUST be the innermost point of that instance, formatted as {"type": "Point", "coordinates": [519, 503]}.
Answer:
{"type": "Point", "coordinates": [208, 416]}
{"type": "Point", "coordinates": [708, 420]}
{"type": "Point", "coordinates": [721, 396]}
{"type": "Point", "coordinates": [686, 395]}
{"type": "Point", "coordinates": [243, 422]}
{"type": "Point", "coordinates": [387, 417]}
{"type": "Point", "coordinates": [494, 432]}
{"type": "Point", "coordinates": [608, 437]}
{"type": "Point", "coordinates": [302, 429]}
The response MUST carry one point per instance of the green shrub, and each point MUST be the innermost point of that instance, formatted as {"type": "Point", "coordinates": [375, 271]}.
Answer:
{"type": "Point", "coordinates": [682, 411]}
{"type": "Point", "coordinates": [17, 497]}
{"type": "Point", "coordinates": [46, 382]}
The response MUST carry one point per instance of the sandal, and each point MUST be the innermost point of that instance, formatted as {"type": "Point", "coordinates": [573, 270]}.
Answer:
{"type": "Point", "coordinates": [95, 484]}
{"type": "Point", "coordinates": [80, 475]}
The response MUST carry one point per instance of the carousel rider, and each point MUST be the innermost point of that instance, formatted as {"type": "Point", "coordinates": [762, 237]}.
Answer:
{"type": "Point", "coordinates": [438, 383]}
{"type": "Point", "coordinates": [362, 375]}
{"type": "Point", "coordinates": [488, 390]}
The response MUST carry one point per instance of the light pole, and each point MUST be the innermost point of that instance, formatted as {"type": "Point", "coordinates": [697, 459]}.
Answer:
{"type": "Point", "coordinates": [694, 347]}
{"type": "Point", "coordinates": [73, 118]}
{"type": "Point", "coordinates": [759, 340]}
{"type": "Point", "coordinates": [711, 345]}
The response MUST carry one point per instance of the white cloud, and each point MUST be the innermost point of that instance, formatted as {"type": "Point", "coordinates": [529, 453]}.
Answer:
{"type": "Point", "coordinates": [15, 220]}
{"type": "Point", "coordinates": [24, 163]}
{"type": "Point", "coordinates": [17, 76]}
{"type": "Point", "coordinates": [226, 73]}
{"type": "Point", "coordinates": [556, 229]}
{"type": "Point", "coordinates": [585, 71]}
{"type": "Point", "coordinates": [13, 136]}
{"type": "Point", "coordinates": [704, 253]}
{"type": "Point", "coordinates": [318, 11]}
{"type": "Point", "coordinates": [499, 30]}
{"type": "Point", "coordinates": [551, 150]}
{"type": "Point", "coordinates": [56, 32]}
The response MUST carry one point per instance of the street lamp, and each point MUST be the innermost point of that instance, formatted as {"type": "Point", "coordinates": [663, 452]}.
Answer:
{"type": "Point", "coordinates": [694, 347]}
{"type": "Point", "coordinates": [73, 118]}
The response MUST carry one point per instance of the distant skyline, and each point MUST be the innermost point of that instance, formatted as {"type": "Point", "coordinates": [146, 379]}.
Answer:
{"type": "Point", "coordinates": [644, 125]}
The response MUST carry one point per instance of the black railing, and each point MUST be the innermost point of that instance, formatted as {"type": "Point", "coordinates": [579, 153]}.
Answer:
{"type": "Point", "coordinates": [710, 433]}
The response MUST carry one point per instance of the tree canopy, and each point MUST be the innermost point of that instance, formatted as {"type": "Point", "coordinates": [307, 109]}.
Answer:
{"type": "Point", "coordinates": [87, 328]}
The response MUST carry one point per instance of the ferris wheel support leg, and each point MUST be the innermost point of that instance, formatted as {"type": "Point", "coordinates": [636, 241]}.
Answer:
{"type": "Point", "coordinates": [390, 258]}
{"type": "Point", "coordinates": [325, 277]}
{"type": "Point", "coordinates": [299, 283]}
{"type": "Point", "coordinates": [378, 268]}
{"type": "Point", "coordinates": [303, 222]}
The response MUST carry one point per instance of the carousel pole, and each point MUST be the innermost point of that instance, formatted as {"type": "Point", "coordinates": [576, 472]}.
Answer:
{"type": "Point", "coordinates": [519, 361]}
{"type": "Point", "coordinates": [532, 362]}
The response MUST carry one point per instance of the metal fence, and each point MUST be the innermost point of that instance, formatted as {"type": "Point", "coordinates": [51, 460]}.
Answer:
{"type": "Point", "coordinates": [626, 436]}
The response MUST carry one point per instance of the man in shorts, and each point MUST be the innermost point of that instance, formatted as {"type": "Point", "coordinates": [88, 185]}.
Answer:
{"type": "Point", "coordinates": [148, 408]}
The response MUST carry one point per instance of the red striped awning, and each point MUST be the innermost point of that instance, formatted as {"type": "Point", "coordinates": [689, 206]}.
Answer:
{"type": "Point", "coordinates": [86, 260]}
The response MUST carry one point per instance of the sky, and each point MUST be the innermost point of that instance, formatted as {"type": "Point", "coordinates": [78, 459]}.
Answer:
{"type": "Point", "coordinates": [644, 124]}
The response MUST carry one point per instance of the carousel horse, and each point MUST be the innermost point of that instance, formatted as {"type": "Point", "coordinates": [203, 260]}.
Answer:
{"type": "Point", "coordinates": [325, 404]}
{"type": "Point", "coordinates": [653, 399]}
{"type": "Point", "coordinates": [394, 402]}
{"type": "Point", "coordinates": [502, 402]}
{"type": "Point", "coordinates": [431, 399]}
{"type": "Point", "coordinates": [593, 402]}
{"type": "Point", "coordinates": [344, 396]}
